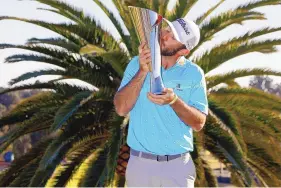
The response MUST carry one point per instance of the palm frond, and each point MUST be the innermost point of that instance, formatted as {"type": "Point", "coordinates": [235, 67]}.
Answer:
{"type": "Point", "coordinates": [77, 101]}
{"type": "Point", "coordinates": [91, 50]}
{"type": "Point", "coordinates": [75, 14]}
{"type": "Point", "coordinates": [119, 4]}
{"type": "Point", "coordinates": [29, 106]}
{"type": "Point", "coordinates": [112, 17]}
{"type": "Point", "coordinates": [237, 41]}
{"type": "Point", "coordinates": [201, 180]}
{"type": "Point", "coordinates": [201, 18]}
{"type": "Point", "coordinates": [245, 9]}
{"type": "Point", "coordinates": [69, 90]}
{"type": "Point", "coordinates": [78, 16]}
{"type": "Point", "coordinates": [117, 24]}
{"type": "Point", "coordinates": [137, 3]}
{"type": "Point", "coordinates": [256, 176]}
{"type": "Point", "coordinates": [270, 123]}
{"type": "Point", "coordinates": [236, 16]}
{"type": "Point", "coordinates": [210, 60]}
{"type": "Point", "coordinates": [31, 125]}
{"type": "Point", "coordinates": [265, 174]}
{"type": "Point", "coordinates": [116, 59]}
{"type": "Point", "coordinates": [53, 156]}
{"type": "Point", "coordinates": [90, 35]}
{"type": "Point", "coordinates": [154, 5]}
{"type": "Point", "coordinates": [181, 9]}
{"type": "Point", "coordinates": [255, 104]}
{"type": "Point", "coordinates": [123, 9]}
{"type": "Point", "coordinates": [224, 145]}
{"type": "Point", "coordinates": [251, 35]}
{"type": "Point", "coordinates": [53, 27]}
{"type": "Point", "coordinates": [162, 8]}
{"type": "Point", "coordinates": [70, 46]}
{"type": "Point", "coordinates": [222, 78]}
{"type": "Point", "coordinates": [95, 174]}
{"type": "Point", "coordinates": [232, 83]}
{"type": "Point", "coordinates": [70, 107]}
{"type": "Point", "coordinates": [264, 113]}
{"type": "Point", "coordinates": [270, 164]}
{"type": "Point", "coordinates": [91, 69]}
{"type": "Point", "coordinates": [114, 144]}
{"type": "Point", "coordinates": [58, 56]}
{"type": "Point", "coordinates": [226, 19]}
{"type": "Point", "coordinates": [210, 177]}
{"type": "Point", "coordinates": [259, 3]}
{"type": "Point", "coordinates": [23, 179]}
{"type": "Point", "coordinates": [73, 158]}
{"type": "Point", "coordinates": [101, 172]}
{"type": "Point", "coordinates": [56, 151]}
{"type": "Point", "coordinates": [91, 170]}
{"type": "Point", "coordinates": [80, 35]}
{"type": "Point", "coordinates": [222, 21]}
{"type": "Point", "coordinates": [86, 72]}
{"type": "Point", "coordinates": [235, 178]}
{"type": "Point", "coordinates": [37, 58]}
{"type": "Point", "coordinates": [29, 86]}
{"type": "Point", "coordinates": [18, 165]}
{"type": "Point", "coordinates": [256, 123]}
{"type": "Point", "coordinates": [251, 92]}
{"type": "Point", "coordinates": [246, 177]}
{"type": "Point", "coordinates": [33, 74]}
{"type": "Point", "coordinates": [226, 118]}
{"type": "Point", "coordinates": [61, 88]}
{"type": "Point", "coordinates": [255, 127]}
{"type": "Point", "coordinates": [46, 173]}
{"type": "Point", "coordinates": [226, 129]}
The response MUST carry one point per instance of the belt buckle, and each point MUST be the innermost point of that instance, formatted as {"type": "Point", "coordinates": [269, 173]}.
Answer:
{"type": "Point", "coordinates": [164, 155]}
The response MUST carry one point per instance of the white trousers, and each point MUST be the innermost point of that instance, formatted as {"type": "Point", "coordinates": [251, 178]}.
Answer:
{"type": "Point", "coordinates": [179, 172]}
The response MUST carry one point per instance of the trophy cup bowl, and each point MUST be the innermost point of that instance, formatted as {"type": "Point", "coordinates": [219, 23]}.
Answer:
{"type": "Point", "coordinates": [147, 24]}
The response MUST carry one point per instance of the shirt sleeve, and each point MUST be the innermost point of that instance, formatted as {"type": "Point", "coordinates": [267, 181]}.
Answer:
{"type": "Point", "coordinates": [198, 96]}
{"type": "Point", "coordinates": [130, 71]}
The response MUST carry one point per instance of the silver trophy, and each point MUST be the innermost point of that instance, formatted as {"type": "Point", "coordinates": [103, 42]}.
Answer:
{"type": "Point", "coordinates": [147, 24]}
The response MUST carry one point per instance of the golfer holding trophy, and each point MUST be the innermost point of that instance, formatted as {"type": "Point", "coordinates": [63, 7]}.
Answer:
{"type": "Point", "coordinates": [165, 95]}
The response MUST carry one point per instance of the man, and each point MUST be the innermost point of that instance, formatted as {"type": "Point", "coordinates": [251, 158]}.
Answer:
{"type": "Point", "coordinates": [161, 126]}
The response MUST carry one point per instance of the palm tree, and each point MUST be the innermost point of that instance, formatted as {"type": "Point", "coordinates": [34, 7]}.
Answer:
{"type": "Point", "coordinates": [84, 132]}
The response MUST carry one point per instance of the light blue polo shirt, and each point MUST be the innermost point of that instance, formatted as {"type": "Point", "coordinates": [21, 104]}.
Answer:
{"type": "Point", "coordinates": [156, 128]}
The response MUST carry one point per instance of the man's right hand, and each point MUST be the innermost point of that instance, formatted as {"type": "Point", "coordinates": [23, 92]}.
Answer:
{"type": "Point", "coordinates": [144, 58]}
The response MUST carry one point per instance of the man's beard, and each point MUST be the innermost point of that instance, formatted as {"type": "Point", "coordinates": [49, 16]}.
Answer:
{"type": "Point", "coordinates": [171, 52]}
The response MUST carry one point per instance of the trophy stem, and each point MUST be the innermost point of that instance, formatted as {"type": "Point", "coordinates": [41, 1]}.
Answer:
{"type": "Point", "coordinates": [157, 85]}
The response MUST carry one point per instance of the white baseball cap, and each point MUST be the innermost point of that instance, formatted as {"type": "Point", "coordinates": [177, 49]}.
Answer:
{"type": "Point", "coordinates": [185, 31]}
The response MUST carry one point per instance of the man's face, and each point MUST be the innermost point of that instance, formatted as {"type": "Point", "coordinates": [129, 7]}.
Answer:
{"type": "Point", "coordinates": [169, 45]}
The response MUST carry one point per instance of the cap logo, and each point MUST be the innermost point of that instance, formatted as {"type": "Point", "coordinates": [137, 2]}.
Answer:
{"type": "Point", "coordinates": [183, 24]}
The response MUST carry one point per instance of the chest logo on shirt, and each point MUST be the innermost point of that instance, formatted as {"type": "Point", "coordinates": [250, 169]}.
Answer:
{"type": "Point", "coordinates": [178, 87]}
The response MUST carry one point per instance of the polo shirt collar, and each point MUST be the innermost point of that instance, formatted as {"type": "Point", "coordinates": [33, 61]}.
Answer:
{"type": "Point", "coordinates": [180, 63]}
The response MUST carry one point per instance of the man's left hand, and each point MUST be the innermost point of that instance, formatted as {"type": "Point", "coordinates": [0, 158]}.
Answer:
{"type": "Point", "coordinates": [165, 98]}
